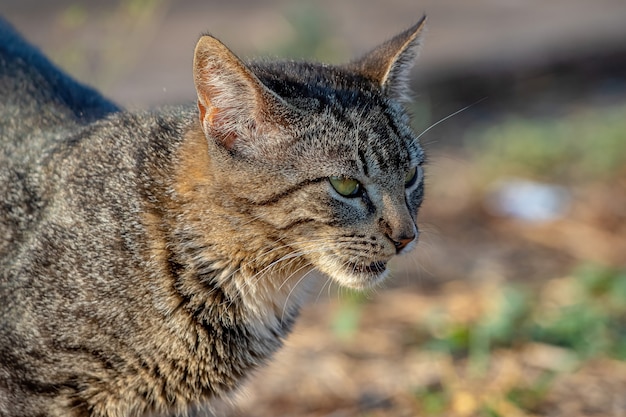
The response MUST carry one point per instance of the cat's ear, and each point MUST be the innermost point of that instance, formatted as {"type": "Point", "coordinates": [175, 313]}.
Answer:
{"type": "Point", "coordinates": [234, 104]}
{"type": "Point", "coordinates": [389, 64]}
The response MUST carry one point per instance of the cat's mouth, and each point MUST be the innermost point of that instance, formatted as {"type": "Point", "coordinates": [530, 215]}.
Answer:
{"type": "Point", "coordinates": [353, 273]}
{"type": "Point", "coordinates": [374, 268]}
{"type": "Point", "coordinates": [361, 275]}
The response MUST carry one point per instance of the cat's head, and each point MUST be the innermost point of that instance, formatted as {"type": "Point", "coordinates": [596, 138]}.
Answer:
{"type": "Point", "coordinates": [322, 155]}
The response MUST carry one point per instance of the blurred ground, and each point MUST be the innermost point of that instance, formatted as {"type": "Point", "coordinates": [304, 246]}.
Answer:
{"type": "Point", "coordinates": [497, 313]}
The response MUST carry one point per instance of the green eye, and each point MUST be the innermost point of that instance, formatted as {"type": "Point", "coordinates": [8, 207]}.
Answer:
{"type": "Point", "coordinates": [347, 187]}
{"type": "Point", "coordinates": [411, 177]}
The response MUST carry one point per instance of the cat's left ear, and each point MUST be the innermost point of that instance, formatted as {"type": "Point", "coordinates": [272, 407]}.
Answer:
{"type": "Point", "coordinates": [389, 64]}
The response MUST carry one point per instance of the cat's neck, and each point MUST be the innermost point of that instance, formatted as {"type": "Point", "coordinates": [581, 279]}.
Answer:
{"type": "Point", "coordinates": [217, 243]}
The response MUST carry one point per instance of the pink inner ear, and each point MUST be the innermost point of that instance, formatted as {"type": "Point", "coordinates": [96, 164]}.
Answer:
{"type": "Point", "coordinates": [202, 110]}
{"type": "Point", "coordinates": [212, 123]}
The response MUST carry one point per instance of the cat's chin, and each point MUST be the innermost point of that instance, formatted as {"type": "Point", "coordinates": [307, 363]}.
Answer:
{"type": "Point", "coordinates": [358, 276]}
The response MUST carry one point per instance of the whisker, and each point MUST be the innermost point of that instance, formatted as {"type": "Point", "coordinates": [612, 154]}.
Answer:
{"type": "Point", "coordinates": [449, 116]}
{"type": "Point", "coordinates": [282, 317]}
{"type": "Point", "coordinates": [292, 274]}
{"type": "Point", "coordinates": [327, 282]}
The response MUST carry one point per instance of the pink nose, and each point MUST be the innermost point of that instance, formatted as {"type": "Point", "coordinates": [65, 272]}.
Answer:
{"type": "Point", "coordinates": [402, 242]}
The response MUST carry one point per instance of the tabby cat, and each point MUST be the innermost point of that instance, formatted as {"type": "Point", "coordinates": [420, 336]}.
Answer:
{"type": "Point", "coordinates": [149, 261]}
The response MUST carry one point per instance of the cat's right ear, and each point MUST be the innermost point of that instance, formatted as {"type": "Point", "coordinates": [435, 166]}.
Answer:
{"type": "Point", "coordinates": [234, 104]}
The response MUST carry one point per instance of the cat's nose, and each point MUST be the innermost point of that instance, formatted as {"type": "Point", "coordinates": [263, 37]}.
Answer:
{"type": "Point", "coordinates": [401, 235]}
{"type": "Point", "coordinates": [402, 241]}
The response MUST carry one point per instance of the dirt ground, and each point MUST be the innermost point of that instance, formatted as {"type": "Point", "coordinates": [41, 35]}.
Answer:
{"type": "Point", "coordinates": [378, 372]}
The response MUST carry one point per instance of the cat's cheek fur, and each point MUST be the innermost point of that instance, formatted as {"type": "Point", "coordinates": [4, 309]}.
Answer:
{"type": "Point", "coordinates": [351, 259]}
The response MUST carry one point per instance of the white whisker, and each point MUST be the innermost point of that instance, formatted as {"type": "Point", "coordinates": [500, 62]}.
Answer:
{"type": "Point", "coordinates": [449, 116]}
{"type": "Point", "coordinates": [282, 317]}
{"type": "Point", "coordinates": [328, 282]}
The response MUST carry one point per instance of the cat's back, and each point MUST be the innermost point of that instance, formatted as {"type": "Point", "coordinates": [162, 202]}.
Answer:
{"type": "Point", "coordinates": [40, 107]}
{"type": "Point", "coordinates": [36, 98]}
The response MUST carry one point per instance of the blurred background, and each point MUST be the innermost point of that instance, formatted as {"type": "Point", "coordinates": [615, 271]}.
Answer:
{"type": "Point", "coordinates": [514, 303]}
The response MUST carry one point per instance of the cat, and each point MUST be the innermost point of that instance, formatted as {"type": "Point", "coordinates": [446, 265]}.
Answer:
{"type": "Point", "coordinates": [151, 261]}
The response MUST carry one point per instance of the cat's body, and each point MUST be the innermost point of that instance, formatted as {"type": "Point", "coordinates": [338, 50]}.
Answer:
{"type": "Point", "coordinates": [149, 261]}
